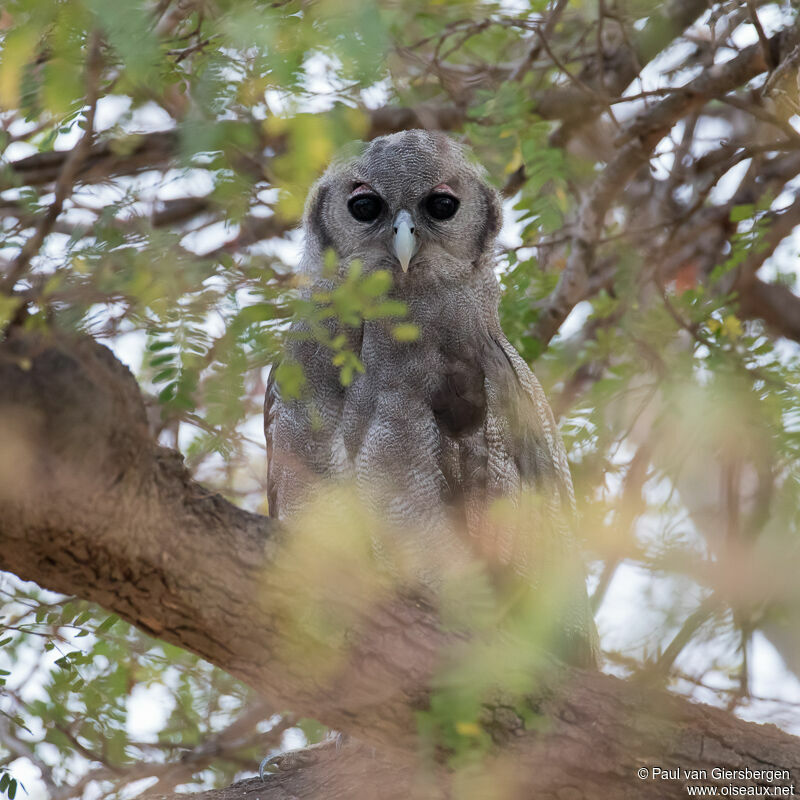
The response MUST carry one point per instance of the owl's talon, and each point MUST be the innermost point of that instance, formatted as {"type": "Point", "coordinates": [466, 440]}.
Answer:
{"type": "Point", "coordinates": [265, 762]}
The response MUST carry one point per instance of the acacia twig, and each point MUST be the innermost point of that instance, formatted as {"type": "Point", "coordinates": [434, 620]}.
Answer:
{"type": "Point", "coordinates": [65, 183]}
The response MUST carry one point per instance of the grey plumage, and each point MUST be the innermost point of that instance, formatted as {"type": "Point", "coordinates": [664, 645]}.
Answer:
{"type": "Point", "coordinates": [434, 430]}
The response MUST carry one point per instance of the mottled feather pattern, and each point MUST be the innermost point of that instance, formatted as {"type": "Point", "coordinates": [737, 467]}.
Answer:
{"type": "Point", "coordinates": [270, 402]}
{"type": "Point", "coordinates": [438, 431]}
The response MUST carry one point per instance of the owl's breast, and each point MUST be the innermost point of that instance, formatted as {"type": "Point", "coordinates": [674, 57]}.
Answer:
{"type": "Point", "coordinates": [440, 375]}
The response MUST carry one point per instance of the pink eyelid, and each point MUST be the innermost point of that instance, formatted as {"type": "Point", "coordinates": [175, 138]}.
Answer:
{"type": "Point", "coordinates": [362, 188]}
{"type": "Point", "coordinates": [365, 188]}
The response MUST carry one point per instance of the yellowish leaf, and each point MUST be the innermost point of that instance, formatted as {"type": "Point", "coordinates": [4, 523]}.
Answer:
{"type": "Point", "coordinates": [515, 163]}
{"type": "Point", "coordinates": [18, 49]}
{"type": "Point", "coordinates": [406, 332]}
{"type": "Point", "coordinates": [468, 728]}
{"type": "Point", "coordinates": [732, 327]}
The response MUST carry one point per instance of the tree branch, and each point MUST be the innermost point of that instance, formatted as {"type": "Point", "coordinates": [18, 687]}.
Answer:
{"type": "Point", "coordinates": [618, 69]}
{"type": "Point", "coordinates": [775, 303]}
{"type": "Point", "coordinates": [637, 142]}
{"type": "Point", "coordinates": [156, 150]}
{"type": "Point", "coordinates": [89, 505]}
{"type": "Point", "coordinates": [600, 734]}
{"type": "Point", "coordinates": [66, 174]}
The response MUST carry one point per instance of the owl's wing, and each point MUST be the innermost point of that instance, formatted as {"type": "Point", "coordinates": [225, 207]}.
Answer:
{"type": "Point", "coordinates": [304, 439]}
{"type": "Point", "coordinates": [536, 430]}
{"type": "Point", "coordinates": [527, 461]}
{"type": "Point", "coordinates": [271, 402]}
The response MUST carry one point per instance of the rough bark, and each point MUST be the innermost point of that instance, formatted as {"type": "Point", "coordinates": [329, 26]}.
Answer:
{"type": "Point", "coordinates": [601, 732]}
{"type": "Point", "coordinates": [90, 505]}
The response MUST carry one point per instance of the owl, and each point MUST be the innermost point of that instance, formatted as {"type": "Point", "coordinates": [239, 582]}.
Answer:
{"type": "Point", "coordinates": [448, 438]}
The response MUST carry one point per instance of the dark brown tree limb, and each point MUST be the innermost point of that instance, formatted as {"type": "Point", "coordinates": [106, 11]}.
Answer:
{"type": "Point", "coordinates": [90, 505]}
{"type": "Point", "coordinates": [158, 149]}
{"type": "Point", "coordinates": [104, 160]}
{"type": "Point", "coordinates": [601, 732]}
{"type": "Point", "coordinates": [774, 303]}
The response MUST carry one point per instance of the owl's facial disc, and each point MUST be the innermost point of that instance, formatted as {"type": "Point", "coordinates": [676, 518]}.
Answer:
{"type": "Point", "coordinates": [405, 243]}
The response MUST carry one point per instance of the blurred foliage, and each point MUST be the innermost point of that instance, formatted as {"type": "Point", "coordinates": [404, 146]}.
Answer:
{"type": "Point", "coordinates": [681, 416]}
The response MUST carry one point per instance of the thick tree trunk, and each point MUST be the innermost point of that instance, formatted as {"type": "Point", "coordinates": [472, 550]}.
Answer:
{"type": "Point", "coordinates": [606, 740]}
{"type": "Point", "coordinates": [90, 505]}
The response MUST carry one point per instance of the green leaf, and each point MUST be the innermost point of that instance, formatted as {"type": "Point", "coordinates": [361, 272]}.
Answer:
{"type": "Point", "coordinates": [407, 332]}
{"type": "Point", "coordinates": [129, 29]}
{"type": "Point", "coordinates": [742, 212]}
{"type": "Point", "coordinates": [290, 378]}
{"type": "Point", "coordinates": [377, 283]}
{"type": "Point", "coordinates": [106, 624]}
{"type": "Point", "coordinates": [313, 731]}
{"type": "Point", "coordinates": [165, 374]}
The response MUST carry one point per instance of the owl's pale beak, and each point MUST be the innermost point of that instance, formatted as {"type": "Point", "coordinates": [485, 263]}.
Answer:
{"type": "Point", "coordinates": [405, 243]}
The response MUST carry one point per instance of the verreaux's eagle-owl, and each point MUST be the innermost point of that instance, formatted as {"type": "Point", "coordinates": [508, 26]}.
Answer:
{"type": "Point", "coordinates": [437, 429]}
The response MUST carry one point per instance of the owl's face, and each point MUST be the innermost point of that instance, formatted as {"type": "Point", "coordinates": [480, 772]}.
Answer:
{"type": "Point", "coordinates": [411, 203]}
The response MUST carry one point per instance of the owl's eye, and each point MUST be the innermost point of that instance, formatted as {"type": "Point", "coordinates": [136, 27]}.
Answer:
{"type": "Point", "coordinates": [441, 206]}
{"type": "Point", "coordinates": [365, 207]}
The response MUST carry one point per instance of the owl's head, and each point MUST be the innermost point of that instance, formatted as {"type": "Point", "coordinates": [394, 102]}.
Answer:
{"type": "Point", "coordinates": [412, 202]}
